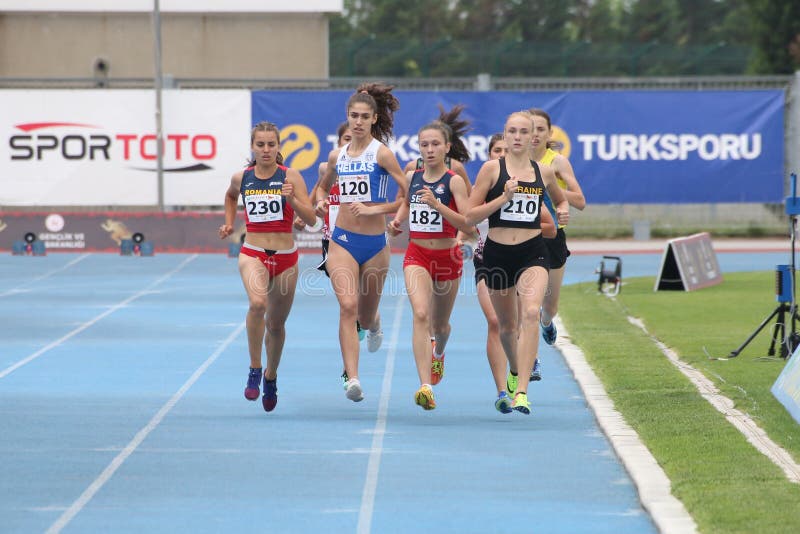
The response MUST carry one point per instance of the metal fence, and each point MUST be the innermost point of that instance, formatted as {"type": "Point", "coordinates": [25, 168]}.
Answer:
{"type": "Point", "coordinates": [481, 82]}
{"type": "Point", "coordinates": [413, 57]}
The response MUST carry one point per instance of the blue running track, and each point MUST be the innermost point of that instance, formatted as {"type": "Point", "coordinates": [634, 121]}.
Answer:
{"type": "Point", "coordinates": [122, 410]}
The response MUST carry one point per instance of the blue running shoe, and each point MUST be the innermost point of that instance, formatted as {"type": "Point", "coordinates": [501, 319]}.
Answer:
{"type": "Point", "coordinates": [270, 398]}
{"type": "Point", "coordinates": [361, 332]}
{"type": "Point", "coordinates": [536, 372]}
{"type": "Point", "coordinates": [503, 403]}
{"type": "Point", "coordinates": [251, 391]}
{"type": "Point", "coordinates": [549, 333]}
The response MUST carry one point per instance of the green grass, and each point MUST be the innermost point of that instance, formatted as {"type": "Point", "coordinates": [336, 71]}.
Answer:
{"type": "Point", "coordinates": [724, 482]}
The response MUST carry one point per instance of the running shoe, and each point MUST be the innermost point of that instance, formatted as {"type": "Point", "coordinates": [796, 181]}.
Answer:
{"type": "Point", "coordinates": [549, 333]}
{"type": "Point", "coordinates": [437, 369]}
{"type": "Point", "coordinates": [374, 339]}
{"type": "Point", "coordinates": [536, 372]}
{"type": "Point", "coordinates": [521, 403]}
{"type": "Point", "coordinates": [251, 391]}
{"type": "Point", "coordinates": [511, 383]}
{"type": "Point", "coordinates": [345, 378]}
{"type": "Point", "coordinates": [503, 403]}
{"type": "Point", "coordinates": [424, 398]}
{"type": "Point", "coordinates": [361, 332]}
{"type": "Point", "coordinates": [353, 391]}
{"type": "Point", "coordinates": [270, 398]}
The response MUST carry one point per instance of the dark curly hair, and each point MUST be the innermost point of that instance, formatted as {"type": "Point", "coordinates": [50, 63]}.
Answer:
{"type": "Point", "coordinates": [378, 96]}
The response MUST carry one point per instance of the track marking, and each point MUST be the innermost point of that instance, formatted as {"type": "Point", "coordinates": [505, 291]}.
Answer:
{"type": "Point", "coordinates": [743, 423]}
{"type": "Point", "coordinates": [13, 367]}
{"type": "Point", "coordinates": [371, 482]}
{"type": "Point", "coordinates": [64, 267]}
{"type": "Point", "coordinates": [140, 436]}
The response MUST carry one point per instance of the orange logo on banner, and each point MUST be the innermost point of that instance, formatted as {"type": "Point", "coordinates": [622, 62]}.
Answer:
{"type": "Point", "coordinates": [299, 146]}
{"type": "Point", "coordinates": [562, 142]}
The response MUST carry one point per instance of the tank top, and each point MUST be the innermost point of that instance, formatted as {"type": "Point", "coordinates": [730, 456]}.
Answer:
{"type": "Point", "coordinates": [425, 222]}
{"type": "Point", "coordinates": [333, 211]}
{"type": "Point", "coordinates": [360, 178]}
{"type": "Point", "coordinates": [265, 208]}
{"type": "Point", "coordinates": [523, 210]}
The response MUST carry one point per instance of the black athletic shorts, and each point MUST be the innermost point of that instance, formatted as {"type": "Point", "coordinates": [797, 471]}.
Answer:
{"type": "Point", "coordinates": [503, 264]}
{"type": "Point", "coordinates": [557, 247]}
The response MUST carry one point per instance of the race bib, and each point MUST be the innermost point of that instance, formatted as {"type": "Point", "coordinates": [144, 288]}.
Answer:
{"type": "Point", "coordinates": [423, 218]}
{"type": "Point", "coordinates": [524, 207]}
{"type": "Point", "coordinates": [264, 208]}
{"type": "Point", "coordinates": [354, 188]}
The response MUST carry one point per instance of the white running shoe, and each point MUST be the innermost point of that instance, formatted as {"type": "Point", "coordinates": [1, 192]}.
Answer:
{"type": "Point", "coordinates": [374, 340]}
{"type": "Point", "coordinates": [353, 390]}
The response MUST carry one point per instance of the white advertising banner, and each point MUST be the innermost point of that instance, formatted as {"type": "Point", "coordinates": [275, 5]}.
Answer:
{"type": "Point", "coordinates": [98, 147]}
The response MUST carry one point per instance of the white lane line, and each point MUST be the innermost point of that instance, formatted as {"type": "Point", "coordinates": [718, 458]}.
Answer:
{"type": "Point", "coordinates": [652, 484]}
{"type": "Point", "coordinates": [19, 289]}
{"type": "Point", "coordinates": [13, 367]}
{"type": "Point", "coordinates": [743, 423]}
{"type": "Point", "coordinates": [371, 482]}
{"type": "Point", "coordinates": [140, 436]}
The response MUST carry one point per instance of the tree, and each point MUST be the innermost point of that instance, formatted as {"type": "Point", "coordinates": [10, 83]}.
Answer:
{"type": "Point", "coordinates": [654, 21]}
{"type": "Point", "coordinates": [776, 25]}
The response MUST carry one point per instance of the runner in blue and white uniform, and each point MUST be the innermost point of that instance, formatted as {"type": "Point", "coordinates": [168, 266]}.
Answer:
{"type": "Point", "coordinates": [358, 255]}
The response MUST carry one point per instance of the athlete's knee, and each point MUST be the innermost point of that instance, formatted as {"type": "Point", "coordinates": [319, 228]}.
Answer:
{"type": "Point", "coordinates": [258, 307]}
{"type": "Point", "coordinates": [348, 308]}
{"type": "Point", "coordinates": [422, 316]}
{"type": "Point", "coordinates": [493, 324]}
{"type": "Point", "coordinates": [530, 314]}
{"type": "Point", "coordinates": [275, 327]}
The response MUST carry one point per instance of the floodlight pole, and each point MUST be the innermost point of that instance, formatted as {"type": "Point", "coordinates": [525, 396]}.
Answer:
{"type": "Point", "coordinates": [158, 86]}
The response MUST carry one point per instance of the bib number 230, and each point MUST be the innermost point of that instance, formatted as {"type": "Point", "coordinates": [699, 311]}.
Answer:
{"type": "Point", "coordinates": [264, 208]}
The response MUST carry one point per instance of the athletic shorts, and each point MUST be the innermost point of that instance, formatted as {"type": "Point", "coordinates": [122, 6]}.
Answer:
{"type": "Point", "coordinates": [362, 247]}
{"type": "Point", "coordinates": [276, 261]}
{"type": "Point", "coordinates": [557, 247]}
{"type": "Point", "coordinates": [323, 264]}
{"type": "Point", "coordinates": [442, 264]}
{"type": "Point", "coordinates": [504, 264]}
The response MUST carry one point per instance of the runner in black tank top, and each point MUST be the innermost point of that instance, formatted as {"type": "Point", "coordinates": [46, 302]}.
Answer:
{"type": "Point", "coordinates": [515, 257]}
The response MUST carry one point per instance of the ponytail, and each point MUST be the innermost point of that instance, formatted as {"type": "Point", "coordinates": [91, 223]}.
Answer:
{"type": "Point", "coordinates": [379, 97]}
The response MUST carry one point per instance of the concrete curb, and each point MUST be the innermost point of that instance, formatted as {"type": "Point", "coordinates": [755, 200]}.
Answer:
{"type": "Point", "coordinates": [667, 512]}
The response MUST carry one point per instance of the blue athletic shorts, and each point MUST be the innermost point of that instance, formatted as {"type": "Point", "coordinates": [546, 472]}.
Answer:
{"type": "Point", "coordinates": [362, 247]}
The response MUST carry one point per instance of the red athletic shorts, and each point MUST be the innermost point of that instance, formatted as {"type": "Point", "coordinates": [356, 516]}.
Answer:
{"type": "Point", "coordinates": [442, 264]}
{"type": "Point", "coordinates": [276, 261]}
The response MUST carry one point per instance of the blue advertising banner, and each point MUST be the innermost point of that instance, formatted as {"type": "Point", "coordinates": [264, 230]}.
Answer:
{"type": "Point", "coordinates": [625, 146]}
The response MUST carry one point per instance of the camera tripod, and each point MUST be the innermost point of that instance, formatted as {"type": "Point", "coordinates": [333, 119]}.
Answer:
{"type": "Point", "coordinates": [784, 332]}
{"type": "Point", "coordinates": [787, 342]}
